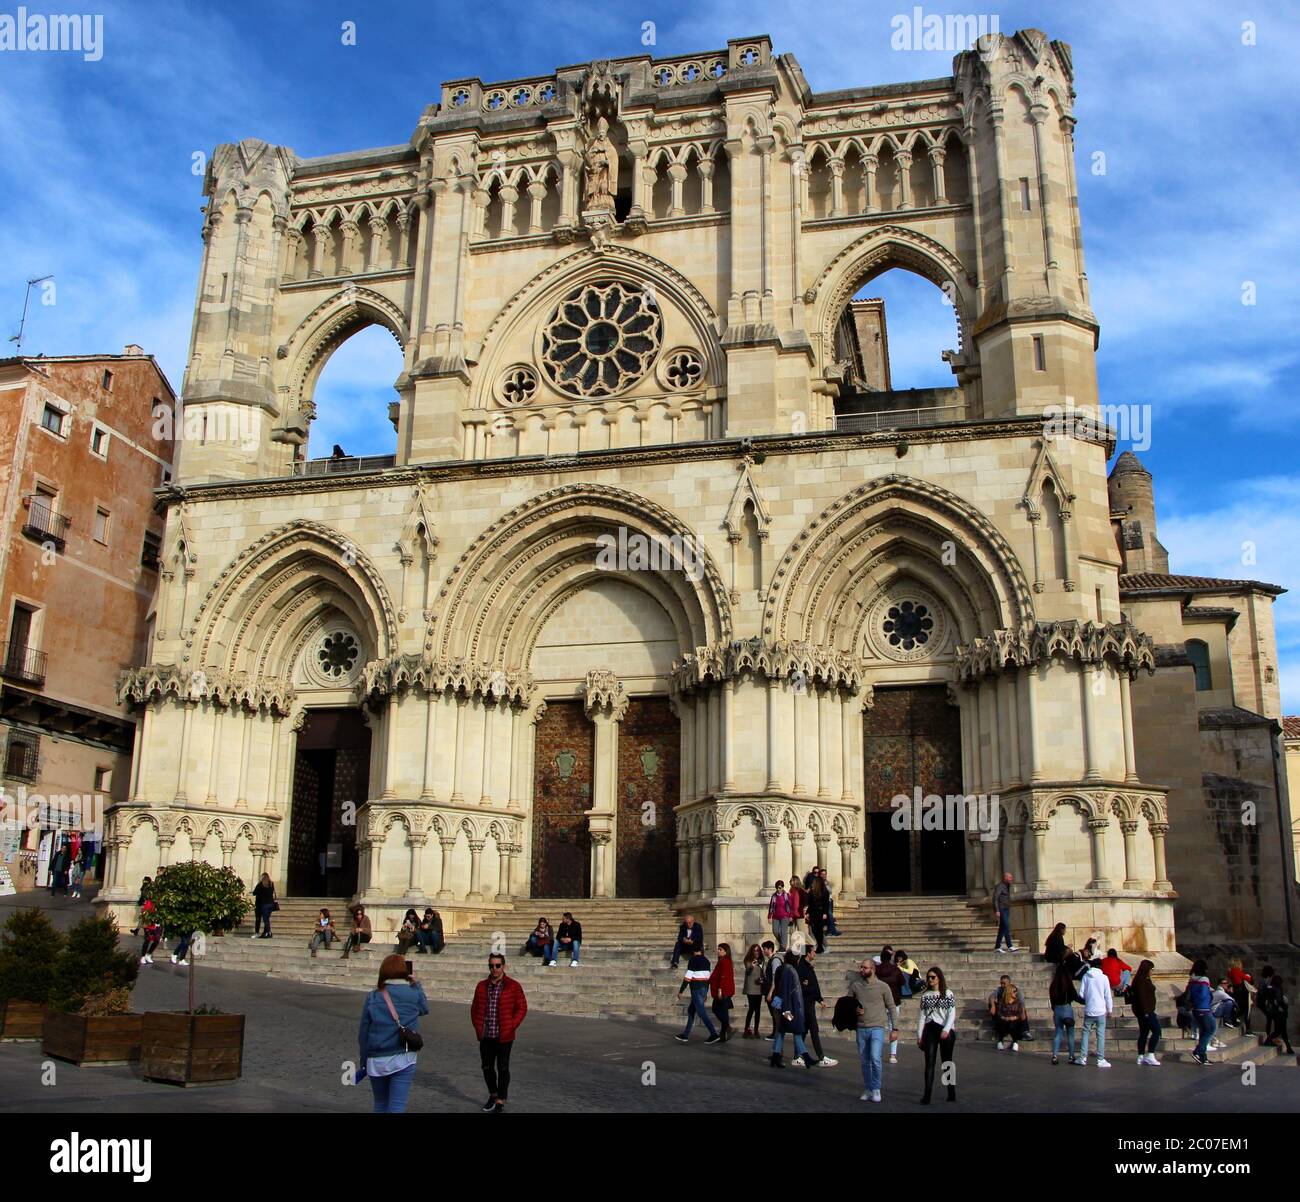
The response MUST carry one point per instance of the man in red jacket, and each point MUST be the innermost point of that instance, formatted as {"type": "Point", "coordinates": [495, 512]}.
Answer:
{"type": "Point", "coordinates": [498, 1008]}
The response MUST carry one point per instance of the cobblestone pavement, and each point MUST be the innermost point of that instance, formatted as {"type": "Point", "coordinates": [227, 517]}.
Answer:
{"type": "Point", "coordinates": [298, 1037]}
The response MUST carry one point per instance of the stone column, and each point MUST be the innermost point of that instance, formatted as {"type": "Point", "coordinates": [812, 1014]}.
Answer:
{"type": "Point", "coordinates": [823, 701]}
{"type": "Point", "coordinates": [1010, 727]}
{"type": "Point", "coordinates": [683, 866]}
{"type": "Point", "coordinates": [1126, 717]}
{"type": "Point", "coordinates": [796, 853]}
{"type": "Point", "coordinates": [187, 723]}
{"type": "Point", "coordinates": [847, 710]}
{"type": "Point", "coordinates": [769, 837]}
{"type": "Point", "coordinates": [977, 884]}
{"type": "Point", "coordinates": [427, 791]}
{"type": "Point", "coordinates": [165, 849]}
{"type": "Point", "coordinates": [273, 769]}
{"type": "Point", "coordinates": [376, 846]}
{"type": "Point", "coordinates": [509, 197]}
{"type": "Point", "coordinates": [715, 740]}
{"type": "Point", "coordinates": [697, 870]}
{"type": "Point", "coordinates": [1091, 756]}
{"type": "Point", "coordinates": [1096, 834]}
{"type": "Point", "coordinates": [1017, 869]}
{"type": "Point", "coordinates": [704, 169]}
{"type": "Point", "coordinates": [136, 739]}
{"type": "Point", "coordinates": [773, 782]}
{"type": "Point", "coordinates": [1158, 832]}
{"type": "Point", "coordinates": [448, 843]}
{"type": "Point", "coordinates": [1040, 830]}
{"type": "Point", "coordinates": [378, 260]}
{"type": "Point", "coordinates": [390, 749]}
{"type": "Point", "coordinates": [536, 194]}
{"type": "Point", "coordinates": [728, 726]}
{"type": "Point", "coordinates": [320, 234]}
{"type": "Point", "coordinates": [702, 742]}
{"type": "Point", "coordinates": [903, 163]}
{"type": "Point", "coordinates": [937, 155]}
{"type": "Point", "coordinates": [798, 697]}
{"type": "Point", "coordinates": [475, 870]}
{"type": "Point", "coordinates": [1130, 830]}
{"type": "Point", "coordinates": [417, 867]}
{"type": "Point", "coordinates": [846, 865]}
{"type": "Point", "coordinates": [722, 864]}
{"type": "Point", "coordinates": [837, 188]}
{"type": "Point", "coordinates": [227, 851]}
{"type": "Point", "coordinates": [600, 845]}
{"type": "Point", "coordinates": [485, 781]}
{"type": "Point", "coordinates": [869, 164]}
{"type": "Point", "coordinates": [677, 174]}
{"type": "Point", "coordinates": [245, 739]}
{"type": "Point", "coordinates": [707, 880]}
{"type": "Point", "coordinates": [459, 703]}
{"type": "Point", "coordinates": [351, 238]}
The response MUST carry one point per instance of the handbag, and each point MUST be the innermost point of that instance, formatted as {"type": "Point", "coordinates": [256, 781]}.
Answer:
{"type": "Point", "coordinates": [413, 1040]}
{"type": "Point", "coordinates": [275, 905]}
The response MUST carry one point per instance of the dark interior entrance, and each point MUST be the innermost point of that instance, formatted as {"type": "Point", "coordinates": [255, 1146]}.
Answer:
{"type": "Point", "coordinates": [565, 752]}
{"type": "Point", "coordinates": [649, 743]}
{"type": "Point", "coordinates": [332, 767]}
{"type": "Point", "coordinates": [912, 737]}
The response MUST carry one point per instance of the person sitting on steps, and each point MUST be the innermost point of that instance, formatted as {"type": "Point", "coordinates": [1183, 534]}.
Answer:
{"type": "Point", "coordinates": [362, 932]}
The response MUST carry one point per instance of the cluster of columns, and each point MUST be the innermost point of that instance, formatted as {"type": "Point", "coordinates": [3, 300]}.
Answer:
{"type": "Point", "coordinates": [868, 198]}
{"type": "Point", "coordinates": [388, 248]}
{"type": "Point", "coordinates": [372, 846]}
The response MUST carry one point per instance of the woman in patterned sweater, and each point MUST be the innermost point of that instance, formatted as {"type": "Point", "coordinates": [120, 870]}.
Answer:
{"type": "Point", "coordinates": [935, 1031]}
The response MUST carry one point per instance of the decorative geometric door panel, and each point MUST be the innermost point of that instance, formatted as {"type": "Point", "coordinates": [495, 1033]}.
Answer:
{"type": "Point", "coordinates": [649, 742]}
{"type": "Point", "coordinates": [565, 752]}
{"type": "Point", "coordinates": [911, 738]}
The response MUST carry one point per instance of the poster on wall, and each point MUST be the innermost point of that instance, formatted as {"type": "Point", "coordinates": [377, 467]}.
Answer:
{"type": "Point", "coordinates": [6, 882]}
{"type": "Point", "coordinates": [43, 860]}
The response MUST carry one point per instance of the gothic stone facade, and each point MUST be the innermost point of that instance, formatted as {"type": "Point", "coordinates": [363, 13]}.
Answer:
{"type": "Point", "coordinates": [616, 290]}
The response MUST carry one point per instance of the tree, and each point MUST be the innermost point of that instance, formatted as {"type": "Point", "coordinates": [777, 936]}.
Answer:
{"type": "Point", "coordinates": [91, 964]}
{"type": "Point", "coordinates": [198, 898]}
{"type": "Point", "coordinates": [29, 953]}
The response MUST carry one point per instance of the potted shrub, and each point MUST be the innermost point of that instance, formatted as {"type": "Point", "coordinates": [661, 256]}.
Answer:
{"type": "Point", "coordinates": [90, 1019]}
{"type": "Point", "coordinates": [29, 953]}
{"type": "Point", "coordinates": [198, 1044]}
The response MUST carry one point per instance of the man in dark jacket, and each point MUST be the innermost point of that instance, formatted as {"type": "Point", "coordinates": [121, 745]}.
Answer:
{"type": "Point", "coordinates": [1002, 907]}
{"type": "Point", "coordinates": [812, 998]}
{"type": "Point", "coordinates": [690, 939]}
{"type": "Point", "coordinates": [892, 975]}
{"type": "Point", "coordinates": [568, 940]}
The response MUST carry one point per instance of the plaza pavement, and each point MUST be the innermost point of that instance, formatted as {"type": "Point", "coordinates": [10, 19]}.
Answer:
{"type": "Point", "coordinates": [298, 1037]}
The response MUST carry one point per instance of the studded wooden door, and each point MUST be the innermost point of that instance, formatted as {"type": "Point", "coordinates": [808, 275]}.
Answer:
{"type": "Point", "coordinates": [912, 737]}
{"type": "Point", "coordinates": [649, 742]}
{"type": "Point", "coordinates": [565, 750]}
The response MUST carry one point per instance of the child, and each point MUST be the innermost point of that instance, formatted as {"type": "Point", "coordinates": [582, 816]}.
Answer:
{"type": "Point", "coordinates": [152, 934]}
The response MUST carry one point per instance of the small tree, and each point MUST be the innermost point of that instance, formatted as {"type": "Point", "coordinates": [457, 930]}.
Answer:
{"type": "Point", "coordinates": [91, 965]}
{"type": "Point", "coordinates": [29, 953]}
{"type": "Point", "coordinates": [198, 898]}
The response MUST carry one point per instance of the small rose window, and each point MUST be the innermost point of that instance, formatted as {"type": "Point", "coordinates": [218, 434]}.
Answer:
{"type": "Point", "coordinates": [908, 625]}
{"type": "Point", "coordinates": [337, 654]}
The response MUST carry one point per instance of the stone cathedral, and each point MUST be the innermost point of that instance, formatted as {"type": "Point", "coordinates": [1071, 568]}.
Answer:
{"type": "Point", "coordinates": [665, 592]}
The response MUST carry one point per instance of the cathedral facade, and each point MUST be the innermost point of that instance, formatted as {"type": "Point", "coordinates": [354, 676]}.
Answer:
{"type": "Point", "coordinates": [662, 594]}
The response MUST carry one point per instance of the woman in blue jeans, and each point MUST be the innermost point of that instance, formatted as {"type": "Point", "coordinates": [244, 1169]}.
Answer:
{"type": "Point", "coordinates": [1200, 998]}
{"type": "Point", "coordinates": [386, 1057]}
{"type": "Point", "coordinates": [1063, 996]}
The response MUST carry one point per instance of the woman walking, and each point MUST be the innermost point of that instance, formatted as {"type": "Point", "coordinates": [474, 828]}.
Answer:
{"type": "Point", "coordinates": [389, 1037]}
{"type": "Point", "coordinates": [1277, 1010]}
{"type": "Point", "coordinates": [817, 913]}
{"type": "Point", "coordinates": [754, 964]}
{"type": "Point", "coordinates": [935, 1029]}
{"type": "Point", "coordinates": [1063, 996]}
{"type": "Point", "coordinates": [1200, 997]}
{"type": "Point", "coordinates": [722, 988]}
{"type": "Point", "coordinates": [263, 904]}
{"type": "Point", "coordinates": [1142, 999]}
{"type": "Point", "coordinates": [787, 1001]}
{"type": "Point", "coordinates": [324, 933]}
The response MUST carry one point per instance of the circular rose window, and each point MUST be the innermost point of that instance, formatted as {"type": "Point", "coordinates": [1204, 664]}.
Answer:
{"type": "Point", "coordinates": [601, 339]}
{"type": "Point", "coordinates": [907, 623]}
{"type": "Point", "coordinates": [337, 655]}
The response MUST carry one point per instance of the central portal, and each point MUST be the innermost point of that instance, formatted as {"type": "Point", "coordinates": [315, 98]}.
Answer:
{"type": "Point", "coordinates": [911, 738]}
{"type": "Point", "coordinates": [331, 768]}
{"type": "Point", "coordinates": [565, 751]}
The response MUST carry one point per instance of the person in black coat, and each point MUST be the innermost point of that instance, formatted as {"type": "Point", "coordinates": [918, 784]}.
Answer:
{"type": "Point", "coordinates": [568, 941]}
{"type": "Point", "coordinates": [812, 998]}
{"type": "Point", "coordinates": [264, 904]}
{"type": "Point", "coordinates": [690, 939]}
{"type": "Point", "coordinates": [1055, 949]}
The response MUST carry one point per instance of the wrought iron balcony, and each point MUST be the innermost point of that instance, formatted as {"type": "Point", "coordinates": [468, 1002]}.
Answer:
{"type": "Point", "coordinates": [23, 663]}
{"type": "Point", "coordinates": [343, 465]}
{"type": "Point", "coordinates": [42, 523]}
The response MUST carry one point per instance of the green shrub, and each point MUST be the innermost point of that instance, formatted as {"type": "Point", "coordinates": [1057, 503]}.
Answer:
{"type": "Point", "coordinates": [197, 896]}
{"type": "Point", "coordinates": [92, 964]}
{"type": "Point", "coordinates": [29, 954]}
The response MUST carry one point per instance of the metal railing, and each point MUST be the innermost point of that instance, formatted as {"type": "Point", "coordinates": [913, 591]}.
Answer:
{"type": "Point", "coordinates": [42, 522]}
{"type": "Point", "coordinates": [23, 663]}
{"type": "Point", "coordinates": [343, 465]}
{"type": "Point", "coordinates": [896, 419]}
{"type": "Point", "coordinates": [22, 757]}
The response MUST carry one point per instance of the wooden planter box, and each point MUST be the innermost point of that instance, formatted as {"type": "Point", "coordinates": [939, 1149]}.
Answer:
{"type": "Point", "coordinates": [107, 1039]}
{"type": "Point", "coordinates": [22, 1020]}
{"type": "Point", "coordinates": [191, 1049]}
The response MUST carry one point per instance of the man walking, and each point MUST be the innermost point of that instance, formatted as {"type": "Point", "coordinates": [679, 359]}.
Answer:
{"type": "Point", "coordinates": [690, 939]}
{"type": "Point", "coordinates": [1002, 904]}
{"type": "Point", "coordinates": [876, 1014]}
{"type": "Point", "coordinates": [1098, 1003]}
{"type": "Point", "coordinates": [498, 1008]}
{"type": "Point", "coordinates": [771, 966]}
{"type": "Point", "coordinates": [698, 972]}
{"type": "Point", "coordinates": [812, 998]}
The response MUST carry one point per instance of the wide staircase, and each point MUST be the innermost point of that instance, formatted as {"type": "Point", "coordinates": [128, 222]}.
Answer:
{"type": "Point", "coordinates": [625, 972]}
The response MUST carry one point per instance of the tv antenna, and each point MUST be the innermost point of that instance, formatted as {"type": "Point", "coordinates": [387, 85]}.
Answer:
{"type": "Point", "coordinates": [17, 339]}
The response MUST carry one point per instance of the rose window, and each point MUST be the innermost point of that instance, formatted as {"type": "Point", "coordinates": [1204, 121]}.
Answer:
{"type": "Point", "coordinates": [908, 625]}
{"type": "Point", "coordinates": [337, 654]}
{"type": "Point", "coordinates": [601, 339]}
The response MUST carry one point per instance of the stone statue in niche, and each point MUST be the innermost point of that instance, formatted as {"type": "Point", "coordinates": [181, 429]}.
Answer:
{"type": "Point", "coordinates": [599, 171]}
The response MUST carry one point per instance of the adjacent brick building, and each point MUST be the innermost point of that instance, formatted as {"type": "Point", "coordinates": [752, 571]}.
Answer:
{"type": "Point", "coordinates": [87, 440]}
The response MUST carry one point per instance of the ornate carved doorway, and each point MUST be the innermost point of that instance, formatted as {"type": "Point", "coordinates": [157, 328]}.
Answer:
{"type": "Point", "coordinates": [332, 766]}
{"type": "Point", "coordinates": [565, 751]}
{"type": "Point", "coordinates": [649, 741]}
{"type": "Point", "coordinates": [911, 737]}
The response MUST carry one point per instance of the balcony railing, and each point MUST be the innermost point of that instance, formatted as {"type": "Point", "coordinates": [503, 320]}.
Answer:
{"type": "Point", "coordinates": [896, 419]}
{"type": "Point", "coordinates": [22, 663]}
{"type": "Point", "coordinates": [42, 523]}
{"type": "Point", "coordinates": [339, 465]}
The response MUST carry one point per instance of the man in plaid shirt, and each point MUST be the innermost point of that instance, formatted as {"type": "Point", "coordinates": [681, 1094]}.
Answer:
{"type": "Point", "coordinates": [499, 1006]}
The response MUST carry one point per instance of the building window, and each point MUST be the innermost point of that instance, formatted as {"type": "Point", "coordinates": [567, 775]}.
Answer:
{"type": "Point", "coordinates": [101, 526]}
{"type": "Point", "coordinates": [52, 419]}
{"type": "Point", "coordinates": [99, 441]}
{"type": "Point", "coordinates": [22, 755]}
{"type": "Point", "coordinates": [103, 779]}
{"type": "Point", "coordinates": [151, 551]}
{"type": "Point", "coordinates": [1199, 653]}
{"type": "Point", "coordinates": [1025, 202]}
{"type": "Point", "coordinates": [107, 382]}
{"type": "Point", "coordinates": [1040, 356]}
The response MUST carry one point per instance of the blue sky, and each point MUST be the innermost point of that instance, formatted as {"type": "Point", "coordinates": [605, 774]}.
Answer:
{"type": "Point", "coordinates": [1198, 197]}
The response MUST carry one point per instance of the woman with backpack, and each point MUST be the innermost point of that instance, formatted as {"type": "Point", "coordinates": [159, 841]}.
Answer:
{"type": "Point", "coordinates": [1142, 1000]}
{"type": "Point", "coordinates": [389, 1037]}
{"type": "Point", "coordinates": [753, 987]}
{"type": "Point", "coordinates": [1063, 995]}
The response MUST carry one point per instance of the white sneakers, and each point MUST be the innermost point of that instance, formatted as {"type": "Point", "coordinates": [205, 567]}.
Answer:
{"type": "Point", "coordinates": [1001, 1044]}
{"type": "Point", "coordinates": [1103, 1064]}
{"type": "Point", "coordinates": [572, 963]}
{"type": "Point", "coordinates": [866, 1097]}
{"type": "Point", "coordinates": [253, 935]}
{"type": "Point", "coordinates": [798, 1062]}
{"type": "Point", "coordinates": [1217, 1046]}
{"type": "Point", "coordinates": [1149, 1058]}
{"type": "Point", "coordinates": [893, 1060]}
{"type": "Point", "coordinates": [550, 964]}
{"type": "Point", "coordinates": [1015, 1047]}
{"type": "Point", "coordinates": [173, 959]}
{"type": "Point", "coordinates": [146, 959]}
{"type": "Point", "coordinates": [875, 1095]}
{"type": "Point", "coordinates": [827, 1062]}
